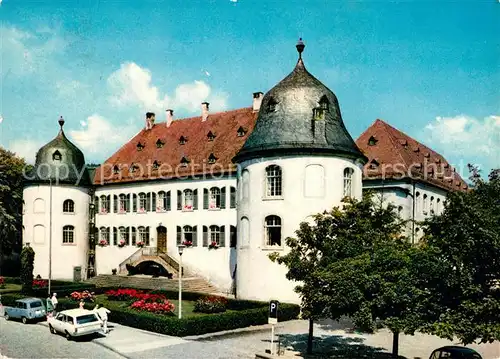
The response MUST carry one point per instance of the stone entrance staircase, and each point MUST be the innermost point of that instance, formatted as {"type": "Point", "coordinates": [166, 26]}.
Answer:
{"type": "Point", "coordinates": [190, 284]}
{"type": "Point", "coordinates": [152, 254]}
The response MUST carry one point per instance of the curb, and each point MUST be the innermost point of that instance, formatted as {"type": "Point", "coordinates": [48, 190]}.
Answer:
{"type": "Point", "coordinates": [228, 333]}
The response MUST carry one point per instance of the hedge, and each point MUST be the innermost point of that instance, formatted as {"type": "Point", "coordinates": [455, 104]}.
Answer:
{"type": "Point", "coordinates": [248, 315]}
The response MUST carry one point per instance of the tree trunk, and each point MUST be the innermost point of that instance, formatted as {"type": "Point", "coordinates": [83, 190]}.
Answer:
{"type": "Point", "coordinates": [310, 337]}
{"type": "Point", "coordinates": [395, 345]}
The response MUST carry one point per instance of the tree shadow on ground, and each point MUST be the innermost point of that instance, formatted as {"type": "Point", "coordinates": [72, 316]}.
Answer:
{"type": "Point", "coordinates": [333, 347]}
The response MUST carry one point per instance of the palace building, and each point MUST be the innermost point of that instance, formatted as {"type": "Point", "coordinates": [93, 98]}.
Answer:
{"type": "Point", "coordinates": [231, 186]}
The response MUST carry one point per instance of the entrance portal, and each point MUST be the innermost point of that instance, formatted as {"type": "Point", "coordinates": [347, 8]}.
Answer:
{"type": "Point", "coordinates": [161, 239]}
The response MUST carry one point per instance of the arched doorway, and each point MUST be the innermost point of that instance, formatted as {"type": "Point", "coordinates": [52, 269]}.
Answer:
{"type": "Point", "coordinates": [161, 239]}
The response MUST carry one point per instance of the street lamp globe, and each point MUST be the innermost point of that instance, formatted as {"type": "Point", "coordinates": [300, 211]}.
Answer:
{"type": "Point", "coordinates": [180, 248]}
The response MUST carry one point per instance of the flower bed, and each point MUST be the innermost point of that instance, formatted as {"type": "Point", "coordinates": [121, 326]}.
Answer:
{"type": "Point", "coordinates": [40, 283]}
{"type": "Point", "coordinates": [85, 295]}
{"type": "Point", "coordinates": [212, 304]}
{"type": "Point", "coordinates": [164, 307]}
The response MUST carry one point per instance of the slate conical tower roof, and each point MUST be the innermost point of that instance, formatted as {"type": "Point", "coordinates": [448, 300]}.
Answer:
{"type": "Point", "coordinates": [59, 161]}
{"type": "Point", "coordinates": [299, 115]}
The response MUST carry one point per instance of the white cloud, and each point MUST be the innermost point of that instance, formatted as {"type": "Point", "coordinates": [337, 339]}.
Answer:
{"type": "Point", "coordinates": [70, 88]}
{"type": "Point", "coordinates": [24, 52]}
{"type": "Point", "coordinates": [132, 85]}
{"type": "Point", "coordinates": [467, 136]}
{"type": "Point", "coordinates": [26, 149]}
{"type": "Point", "coordinates": [100, 135]}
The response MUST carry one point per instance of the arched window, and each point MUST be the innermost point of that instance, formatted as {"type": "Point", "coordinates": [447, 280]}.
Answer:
{"type": "Point", "coordinates": [142, 202]}
{"type": "Point", "coordinates": [68, 206]}
{"type": "Point", "coordinates": [144, 235]}
{"type": "Point", "coordinates": [39, 206]}
{"type": "Point", "coordinates": [438, 206]}
{"type": "Point", "coordinates": [348, 189]}
{"type": "Point", "coordinates": [124, 236]}
{"type": "Point", "coordinates": [232, 236]}
{"type": "Point", "coordinates": [38, 234]}
{"type": "Point", "coordinates": [56, 156]}
{"type": "Point", "coordinates": [314, 181]}
{"type": "Point", "coordinates": [400, 211]}
{"type": "Point", "coordinates": [215, 235]}
{"type": "Point", "coordinates": [273, 231]}
{"type": "Point", "coordinates": [161, 205]}
{"type": "Point", "coordinates": [271, 105]}
{"type": "Point", "coordinates": [188, 234]}
{"type": "Point", "coordinates": [68, 235]}
{"type": "Point", "coordinates": [232, 198]}
{"type": "Point", "coordinates": [245, 184]}
{"type": "Point", "coordinates": [188, 199]}
{"type": "Point", "coordinates": [245, 231]}
{"type": "Point", "coordinates": [324, 103]}
{"type": "Point", "coordinates": [273, 181]}
{"type": "Point", "coordinates": [104, 234]}
{"type": "Point", "coordinates": [418, 204]}
{"type": "Point", "coordinates": [215, 198]}
{"type": "Point", "coordinates": [432, 209]}
{"type": "Point", "coordinates": [425, 204]}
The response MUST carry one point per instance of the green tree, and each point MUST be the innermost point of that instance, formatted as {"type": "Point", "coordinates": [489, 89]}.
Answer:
{"type": "Point", "coordinates": [355, 261]}
{"type": "Point", "coordinates": [466, 240]}
{"type": "Point", "coordinates": [27, 260]}
{"type": "Point", "coordinates": [11, 201]}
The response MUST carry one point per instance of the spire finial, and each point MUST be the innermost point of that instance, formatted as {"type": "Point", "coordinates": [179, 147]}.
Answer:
{"type": "Point", "coordinates": [61, 122]}
{"type": "Point", "coordinates": [300, 47]}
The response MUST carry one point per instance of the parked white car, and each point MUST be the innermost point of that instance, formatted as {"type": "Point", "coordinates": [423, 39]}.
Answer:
{"type": "Point", "coordinates": [75, 323]}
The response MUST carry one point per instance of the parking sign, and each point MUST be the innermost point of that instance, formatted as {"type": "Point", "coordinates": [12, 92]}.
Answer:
{"type": "Point", "coordinates": [273, 312]}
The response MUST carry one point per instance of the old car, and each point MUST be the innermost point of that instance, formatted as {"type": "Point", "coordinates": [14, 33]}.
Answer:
{"type": "Point", "coordinates": [26, 309]}
{"type": "Point", "coordinates": [455, 352]}
{"type": "Point", "coordinates": [75, 323]}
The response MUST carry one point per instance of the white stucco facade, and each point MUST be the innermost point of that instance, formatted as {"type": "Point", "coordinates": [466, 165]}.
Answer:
{"type": "Point", "coordinates": [69, 250]}
{"type": "Point", "coordinates": [216, 265]}
{"type": "Point", "coordinates": [309, 185]}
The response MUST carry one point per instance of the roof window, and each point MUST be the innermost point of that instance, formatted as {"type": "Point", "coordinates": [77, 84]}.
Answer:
{"type": "Point", "coordinates": [140, 147]}
{"type": "Point", "coordinates": [182, 140]}
{"type": "Point", "coordinates": [241, 131]}
{"type": "Point", "coordinates": [271, 105]}
{"type": "Point", "coordinates": [184, 161]}
{"type": "Point", "coordinates": [324, 104]}
{"type": "Point", "coordinates": [372, 141]}
{"type": "Point", "coordinates": [212, 159]}
{"type": "Point", "coordinates": [116, 169]}
{"type": "Point", "coordinates": [159, 143]}
{"type": "Point", "coordinates": [56, 156]}
{"type": "Point", "coordinates": [210, 136]}
{"type": "Point", "coordinates": [156, 165]}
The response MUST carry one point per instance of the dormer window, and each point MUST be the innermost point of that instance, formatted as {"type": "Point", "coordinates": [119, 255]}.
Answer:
{"type": "Point", "coordinates": [373, 164]}
{"type": "Point", "coordinates": [212, 159]}
{"type": "Point", "coordinates": [56, 156]}
{"type": "Point", "coordinates": [271, 105]}
{"type": "Point", "coordinates": [404, 143]}
{"type": "Point", "coordinates": [427, 155]}
{"type": "Point", "coordinates": [182, 140]}
{"type": "Point", "coordinates": [210, 136]}
{"type": "Point", "coordinates": [159, 143]}
{"type": "Point", "coordinates": [416, 149]}
{"type": "Point", "coordinates": [184, 161]}
{"type": "Point", "coordinates": [324, 104]}
{"type": "Point", "coordinates": [133, 168]}
{"type": "Point", "coordinates": [319, 113]}
{"type": "Point", "coordinates": [140, 147]}
{"type": "Point", "coordinates": [156, 165]}
{"type": "Point", "coordinates": [372, 141]}
{"type": "Point", "coordinates": [241, 132]}
{"type": "Point", "coordinates": [116, 169]}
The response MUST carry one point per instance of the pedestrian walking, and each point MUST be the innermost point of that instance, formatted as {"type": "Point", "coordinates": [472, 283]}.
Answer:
{"type": "Point", "coordinates": [82, 304]}
{"type": "Point", "coordinates": [54, 301]}
{"type": "Point", "coordinates": [103, 314]}
{"type": "Point", "coordinates": [50, 307]}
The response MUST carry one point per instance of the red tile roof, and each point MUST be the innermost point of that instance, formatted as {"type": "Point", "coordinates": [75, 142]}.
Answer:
{"type": "Point", "coordinates": [196, 150]}
{"type": "Point", "coordinates": [393, 154]}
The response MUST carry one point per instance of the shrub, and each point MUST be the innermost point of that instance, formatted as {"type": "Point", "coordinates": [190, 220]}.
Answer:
{"type": "Point", "coordinates": [85, 295]}
{"type": "Point", "coordinates": [27, 260]}
{"type": "Point", "coordinates": [2, 282]}
{"type": "Point", "coordinates": [212, 304]}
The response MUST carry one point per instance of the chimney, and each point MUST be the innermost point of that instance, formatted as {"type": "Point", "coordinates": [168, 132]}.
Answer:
{"type": "Point", "coordinates": [204, 111]}
{"type": "Point", "coordinates": [257, 100]}
{"type": "Point", "coordinates": [170, 117]}
{"type": "Point", "coordinates": [150, 120]}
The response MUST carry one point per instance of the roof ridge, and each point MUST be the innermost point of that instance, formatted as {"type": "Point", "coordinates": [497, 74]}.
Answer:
{"type": "Point", "coordinates": [213, 113]}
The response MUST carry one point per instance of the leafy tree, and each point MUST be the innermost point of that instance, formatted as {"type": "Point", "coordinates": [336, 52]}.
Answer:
{"type": "Point", "coordinates": [27, 260]}
{"type": "Point", "coordinates": [354, 261]}
{"type": "Point", "coordinates": [466, 240]}
{"type": "Point", "coordinates": [11, 201]}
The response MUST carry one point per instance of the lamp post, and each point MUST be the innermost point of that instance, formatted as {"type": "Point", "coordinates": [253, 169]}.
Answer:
{"type": "Point", "coordinates": [50, 235]}
{"type": "Point", "coordinates": [180, 248]}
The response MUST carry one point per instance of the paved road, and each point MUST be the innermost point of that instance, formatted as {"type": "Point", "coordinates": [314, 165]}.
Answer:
{"type": "Point", "coordinates": [35, 341]}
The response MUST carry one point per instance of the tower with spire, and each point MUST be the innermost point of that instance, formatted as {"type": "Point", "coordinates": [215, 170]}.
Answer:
{"type": "Point", "coordinates": [56, 209]}
{"type": "Point", "coordinates": [299, 160]}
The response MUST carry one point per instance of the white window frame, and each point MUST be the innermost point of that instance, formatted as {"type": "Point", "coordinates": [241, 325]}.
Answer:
{"type": "Point", "coordinates": [162, 195]}
{"type": "Point", "coordinates": [214, 234]}
{"type": "Point", "coordinates": [188, 200]}
{"type": "Point", "coordinates": [142, 235]}
{"type": "Point", "coordinates": [214, 199]}
{"type": "Point", "coordinates": [186, 231]}
{"type": "Point", "coordinates": [104, 234]}
{"type": "Point", "coordinates": [274, 182]}
{"type": "Point", "coordinates": [68, 234]}
{"type": "Point", "coordinates": [270, 222]}
{"type": "Point", "coordinates": [69, 206]}
{"type": "Point", "coordinates": [122, 203]}
{"type": "Point", "coordinates": [104, 207]}
{"type": "Point", "coordinates": [348, 189]}
{"type": "Point", "coordinates": [141, 206]}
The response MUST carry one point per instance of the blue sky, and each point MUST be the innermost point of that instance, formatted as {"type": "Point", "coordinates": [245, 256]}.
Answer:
{"type": "Point", "coordinates": [431, 69]}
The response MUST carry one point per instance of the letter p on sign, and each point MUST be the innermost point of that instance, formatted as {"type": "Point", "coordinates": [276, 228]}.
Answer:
{"type": "Point", "coordinates": [273, 312]}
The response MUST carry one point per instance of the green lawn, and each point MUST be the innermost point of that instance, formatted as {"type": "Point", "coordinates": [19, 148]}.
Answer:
{"type": "Point", "coordinates": [8, 287]}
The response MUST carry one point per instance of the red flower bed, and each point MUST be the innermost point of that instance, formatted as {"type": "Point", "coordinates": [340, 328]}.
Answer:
{"type": "Point", "coordinates": [129, 294]}
{"type": "Point", "coordinates": [164, 307]}
{"type": "Point", "coordinates": [85, 295]}
{"type": "Point", "coordinates": [40, 283]}
{"type": "Point", "coordinates": [211, 304]}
